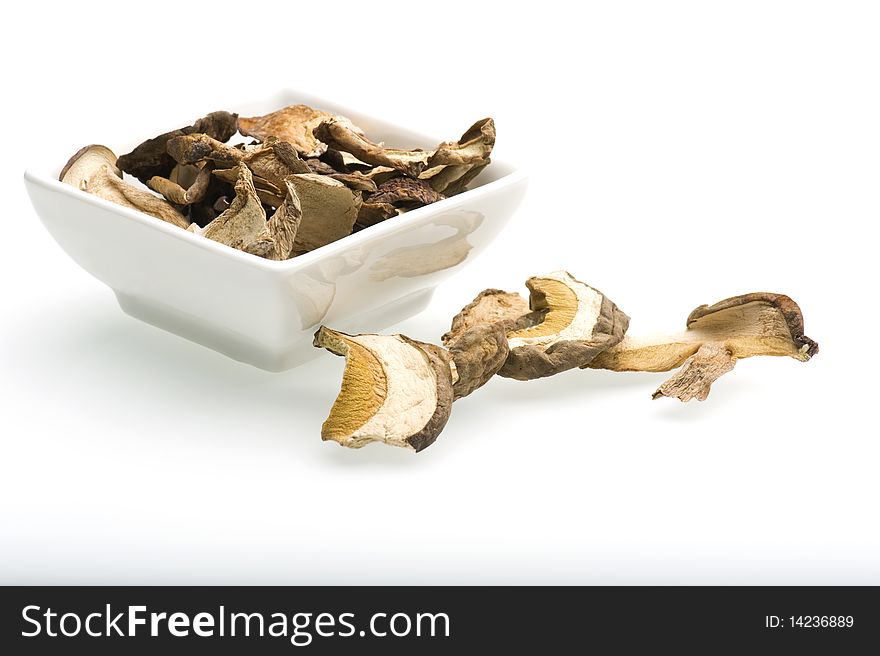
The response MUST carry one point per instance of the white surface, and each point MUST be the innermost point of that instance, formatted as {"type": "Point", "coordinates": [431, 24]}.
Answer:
{"type": "Point", "coordinates": [258, 311]}
{"type": "Point", "coordinates": [680, 153]}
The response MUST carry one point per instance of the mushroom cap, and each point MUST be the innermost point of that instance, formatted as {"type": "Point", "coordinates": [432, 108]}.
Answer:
{"type": "Point", "coordinates": [765, 324]}
{"type": "Point", "coordinates": [294, 124]}
{"type": "Point", "coordinates": [85, 163]}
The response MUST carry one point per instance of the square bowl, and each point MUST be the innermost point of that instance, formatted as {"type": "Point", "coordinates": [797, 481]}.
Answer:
{"type": "Point", "coordinates": [264, 312]}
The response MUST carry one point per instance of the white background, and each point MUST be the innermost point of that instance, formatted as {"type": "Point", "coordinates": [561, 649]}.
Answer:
{"type": "Point", "coordinates": [680, 153]}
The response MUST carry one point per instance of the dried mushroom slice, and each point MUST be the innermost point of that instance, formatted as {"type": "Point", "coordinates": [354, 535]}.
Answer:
{"type": "Point", "coordinates": [393, 197]}
{"type": "Point", "coordinates": [477, 355]}
{"type": "Point", "coordinates": [716, 336]}
{"type": "Point", "coordinates": [477, 340]}
{"type": "Point", "coordinates": [329, 210]}
{"type": "Point", "coordinates": [338, 135]}
{"type": "Point", "coordinates": [405, 192]}
{"type": "Point", "coordinates": [294, 124]}
{"type": "Point", "coordinates": [394, 390]}
{"type": "Point", "coordinates": [472, 149]}
{"type": "Point", "coordinates": [244, 221]}
{"type": "Point", "coordinates": [275, 242]}
{"type": "Point", "coordinates": [453, 180]}
{"type": "Point", "coordinates": [578, 323]}
{"type": "Point", "coordinates": [380, 174]}
{"type": "Point", "coordinates": [176, 194]}
{"type": "Point", "coordinates": [94, 169]}
{"type": "Point", "coordinates": [151, 158]}
{"type": "Point", "coordinates": [356, 181]}
{"type": "Point", "coordinates": [491, 306]}
{"type": "Point", "coordinates": [370, 214]}
{"type": "Point", "coordinates": [454, 164]}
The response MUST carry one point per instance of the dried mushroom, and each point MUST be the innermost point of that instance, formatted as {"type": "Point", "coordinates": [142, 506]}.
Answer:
{"type": "Point", "coordinates": [715, 338]}
{"type": "Point", "coordinates": [151, 158]}
{"type": "Point", "coordinates": [339, 135]}
{"type": "Point", "coordinates": [448, 163]}
{"type": "Point", "coordinates": [244, 221]}
{"type": "Point", "coordinates": [454, 164]}
{"type": "Point", "coordinates": [93, 169]}
{"type": "Point", "coordinates": [405, 192]}
{"type": "Point", "coordinates": [394, 390]}
{"type": "Point", "coordinates": [329, 210]}
{"type": "Point", "coordinates": [491, 306]}
{"type": "Point", "coordinates": [275, 242]}
{"type": "Point", "coordinates": [477, 355]}
{"type": "Point", "coordinates": [573, 324]}
{"type": "Point", "coordinates": [294, 124]}
{"type": "Point", "coordinates": [341, 181]}
{"type": "Point", "coordinates": [565, 322]}
{"type": "Point", "coordinates": [175, 193]}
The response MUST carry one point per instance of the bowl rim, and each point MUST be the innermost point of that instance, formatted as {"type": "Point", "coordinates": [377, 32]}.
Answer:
{"type": "Point", "coordinates": [402, 222]}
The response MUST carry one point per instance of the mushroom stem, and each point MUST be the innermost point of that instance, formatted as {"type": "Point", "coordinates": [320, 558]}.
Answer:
{"type": "Point", "coordinates": [693, 381]}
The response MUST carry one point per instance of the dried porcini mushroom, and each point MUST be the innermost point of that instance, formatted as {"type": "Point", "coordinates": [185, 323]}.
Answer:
{"type": "Point", "coordinates": [244, 221]}
{"type": "Point", "coordinates": [477, 355]}
{"type": "Point", "coordinates": [340, 136]}
{"type": "Point", "coordinates": [293, 124]}
{"type": "Point", "coordinates": [151, 158]}
{"type": "Point", "coordinates": [491, 306]}
{"type": "Point", "coordinates": [716, 336]}
{"type": "Point", "coordinates": [329, 210]}
{"type": "Point", "coordinates": [176, 194]}
{"type": "Point", "coordinates": [275, 242]}
{"type": "Point", "coordinates": [394, 390]}
{"type": "Point", "coordinates": [392, 197]}
{"type": "Point", "coordinates": [405, 192]}
{"type": "Point", "coordinates": [577, 322]}
{"type": "Point", "coordinates": [345, 182]}
{"type": "Point", "coordinates": [94, 169]}
{"type": "Point", "coordinates": [564, 322]}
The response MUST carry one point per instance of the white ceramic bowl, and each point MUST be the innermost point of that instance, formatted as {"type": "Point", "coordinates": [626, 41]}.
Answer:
{"type": "Point", "coordinates": [264, 312]}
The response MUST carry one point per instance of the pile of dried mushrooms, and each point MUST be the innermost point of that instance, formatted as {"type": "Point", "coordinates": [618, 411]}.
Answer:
{"type": "Point", "coordinates": [400, 391]}
{"type": "Point", "coordinates": [306, 179]}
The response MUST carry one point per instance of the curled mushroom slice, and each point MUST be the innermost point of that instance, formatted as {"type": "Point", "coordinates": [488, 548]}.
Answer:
{"type": "Point", "coordinates": [293, 124]}
{"type": "Point", "coordinates": [716, 336]}
{"type": "Point", "coordinates": [405, 192]}
{"type": "Point", "coordinates": [329, 210]}
{"type": "Point", "coordinates": [151, 158]}
{"type": "Point", "coordinates": [275, 242]}
{"type": "Point", "coordinates": [473, 148]}
{"type": "Point", "coordinates": [477, 356]}
{"type": "Point", "coordinates": [477, 340]}
{"type": "Point", "coordinates": [394, 390]}
{"type": "Point", "coordinates": [578, 323]}
{"type": "Point", "coordinates": [93, 169]}
{"type": "Point", "coordinates": [243, 222]}
{"type": "Point", "coordinates": [454, 164]}
{"type": "Point", "coordinates": [338, 135]}
{"type": "Point", "coordinates": [177, 194]}
{"type": "Point", "coordinates": [489, 307]}
{"type": "Point", "coordinates": [355, 181]}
